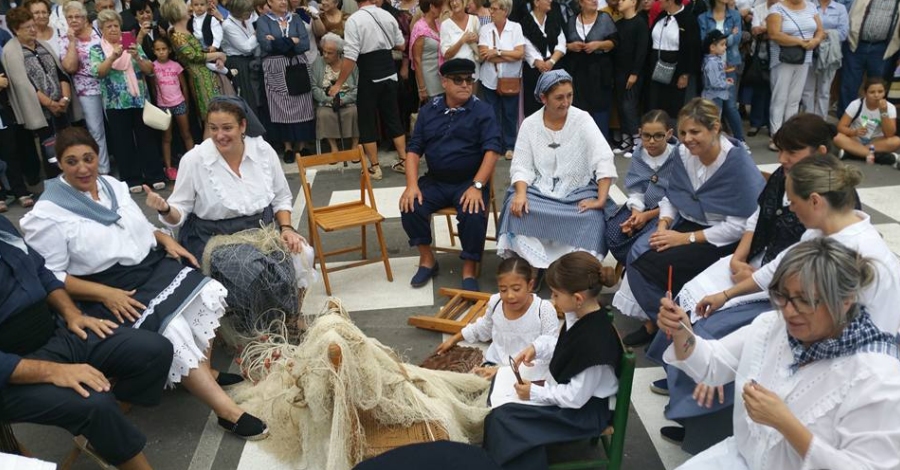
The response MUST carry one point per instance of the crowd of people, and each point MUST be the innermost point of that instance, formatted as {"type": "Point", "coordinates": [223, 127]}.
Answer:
{"type": "Point", "coordinates": [707, 246]}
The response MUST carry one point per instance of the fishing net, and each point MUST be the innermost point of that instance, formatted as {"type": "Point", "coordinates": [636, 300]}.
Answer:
{"type": "Point", "coordinates": [318, 412]}
{"type": "Point", "coordinates": [266, 283]}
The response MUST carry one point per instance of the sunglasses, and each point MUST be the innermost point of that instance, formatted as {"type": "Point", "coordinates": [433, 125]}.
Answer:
{"type": "Point", "coordinates": [459, 81]}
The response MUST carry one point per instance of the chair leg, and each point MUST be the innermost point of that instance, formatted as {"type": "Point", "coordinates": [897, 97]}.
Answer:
{"type": "Point", "coordinates": [365, 253]}
{"type": "Point", "coordinates": [320, 255]}
{"type": "Point", "coordinates": [451, 231]}
{"type": "Point", "coordinates": [384, 253]}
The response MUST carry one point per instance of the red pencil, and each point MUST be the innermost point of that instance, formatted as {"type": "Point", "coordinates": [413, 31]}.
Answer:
{"type": "Point", "coordinates": [670, 280]}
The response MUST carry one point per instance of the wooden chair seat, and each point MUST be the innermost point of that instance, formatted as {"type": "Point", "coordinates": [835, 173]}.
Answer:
{"type": "Point", "coordinates": [358, 214]}
{"type": "Point", "coordinates": [449, 212]}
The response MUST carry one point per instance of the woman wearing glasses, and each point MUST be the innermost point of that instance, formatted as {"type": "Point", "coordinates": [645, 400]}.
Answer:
{"type": "Point", "coordinates": [818, 377]}
{"type": "Point", "coordinates": [560, 178]}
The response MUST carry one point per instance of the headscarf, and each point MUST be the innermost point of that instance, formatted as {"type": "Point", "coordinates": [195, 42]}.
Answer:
{"type": "Point", "coordinates": [547, 80]}
{"type": "Point", "coordinates": [124, 65]}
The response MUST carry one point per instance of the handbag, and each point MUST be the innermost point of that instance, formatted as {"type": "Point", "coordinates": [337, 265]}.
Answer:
{"type": "Point", "coordinates": [296, 78]}
{"type": "Point", "coordinates": [156, 118]}
{"type": "Point", "coordinates": [757, 71]}
{"type": "Point", "coordinates": [663, 72]}
{"type": "Point", "coordinates": [506, 86]}
{"type": "Point", "coordinates": [792, 54]}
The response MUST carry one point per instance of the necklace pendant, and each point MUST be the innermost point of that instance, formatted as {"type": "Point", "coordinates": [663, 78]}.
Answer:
{"type": "Point", "coordinates": [553, 145]}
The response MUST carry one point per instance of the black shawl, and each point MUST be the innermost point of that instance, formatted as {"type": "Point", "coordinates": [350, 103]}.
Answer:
{"type": "Point", "coordinates": [592, 341]}
{"type": "Point", "coordinates": [553, 25]}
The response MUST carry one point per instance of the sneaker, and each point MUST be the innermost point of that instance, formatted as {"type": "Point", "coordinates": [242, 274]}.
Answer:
{"type": "Point", "coordinates": [672, 434]}
{"type": "Point", "coordinates": [508, 155]}
{"type": "Point", "coordinates": [841, 154]}
{"type": "Point", "coordinates": [159, 186]}
{"type": "Point", "coordinates": [171, 173]}
{"type": "Point", "coordinates": [660, 387]}
{"type": "Point", "coordinates": [136, 189]}
{"type": "Point", "coordinates": [624, 146]}
{"type": "Point", "coordinates": [627, 155]}
{"type": "Point", "coordinates": [886, 158]}
{"type": "Point", "coordinates": [746, 146]}
{"type": "Point", "coordinates": [752, 132]}
{"type": "Point", "coordinates": [375, 172]}
{"type": "Point", "coordinates": [247, 427]}
{"type": "Point", "coordinates": [896, 164]}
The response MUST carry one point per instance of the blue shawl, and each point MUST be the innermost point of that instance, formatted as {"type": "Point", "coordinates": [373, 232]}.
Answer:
{"type": "Point", "coordinates": [640, 177]}
{"type": "Point", "coordinates": [73, 200]}
{"type": "Point", "coordinates": [731, 191]}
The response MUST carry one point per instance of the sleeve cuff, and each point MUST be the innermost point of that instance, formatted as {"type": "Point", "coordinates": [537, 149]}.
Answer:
{"type": "Point", "coordinates": [694, 366]}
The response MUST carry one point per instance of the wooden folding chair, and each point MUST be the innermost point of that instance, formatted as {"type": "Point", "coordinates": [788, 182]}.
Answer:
{"type": "Point", "coordinates": [449, 212]}
{"type": "Point", "coordinates": [359, 213]}
{"type": "Point", "coordinates": [613, 437]}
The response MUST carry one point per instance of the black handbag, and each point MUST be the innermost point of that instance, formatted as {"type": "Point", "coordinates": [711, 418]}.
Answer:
{"type": "Point", "coordinates": [757, 71]}
{"type": "Point", "coordinates": [296, 78]}
{"type": "Point", "coordinates": [793, 54]}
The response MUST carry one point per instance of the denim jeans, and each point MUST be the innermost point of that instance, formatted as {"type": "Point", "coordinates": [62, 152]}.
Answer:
{"type": "Point", "coordinates": [506, 109]}
{"type": "Point", "coordinates": [759, 106]}
{"type": "Point", "coordinates": [867, 59]}
{"type": "Point", "coordinates": [732, 117]}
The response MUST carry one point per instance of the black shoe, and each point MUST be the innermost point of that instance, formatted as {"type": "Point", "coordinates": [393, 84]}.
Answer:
{"type": "Point", "coordinates": [290, 157]}
{"type": "Point", "coordinates": [305, 152]}
{"type": "Point", "coordinates": [226, 380]}
{"type": "Point", "coordinates": [660, 387]}
{"type": "Point", "coordinates": [673, 434]}
{"type": "Point", "coordinates": [637, 337]}
{"type": "Point", "coordinates": [752, 132]}
{"type": "Point", "coordinates": [885, 158]}
{"type": "Point", "coordinates": [248, 427]}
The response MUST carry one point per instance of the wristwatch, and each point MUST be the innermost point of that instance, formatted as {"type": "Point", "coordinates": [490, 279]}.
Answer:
{"type": "Point", "coordinates": [499, 53]}
{"type": "Point", "coordinates": [692, 238]}
{"type": "Point", "coordinates": [478, 184]}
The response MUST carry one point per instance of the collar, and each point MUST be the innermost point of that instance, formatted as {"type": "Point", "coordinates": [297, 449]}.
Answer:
{"type": "Point", "coordinates": [287, 16]}
{"type": "Point", "coordinates": [13, 240]}
{"type": "Point", "coordinates": [440, 102]}
{"type": "Point", "coordinates": [201, 17]}
{"type": "Point", "coordinates": [101, 188]}
{"type": "Point", "coordinates": [860, 335]}
{"type": "Point", "coordinates": [210, 155]}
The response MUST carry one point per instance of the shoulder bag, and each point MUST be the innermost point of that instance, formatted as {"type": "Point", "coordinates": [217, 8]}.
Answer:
{"type": "Point", "coordinates": [792, 54]}
{"type": "Point", "coordinates": [508, 86]}
{"type": "Point", "coordinates": [663, 72]}
{"type": "Point", "coordinates": [757, 71]}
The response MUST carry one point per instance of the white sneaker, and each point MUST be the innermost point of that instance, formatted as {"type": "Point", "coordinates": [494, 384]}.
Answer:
{"type": "Point", "coordinates": [627, 155]}
{"type": "Point", "coordinates": [746, 146]}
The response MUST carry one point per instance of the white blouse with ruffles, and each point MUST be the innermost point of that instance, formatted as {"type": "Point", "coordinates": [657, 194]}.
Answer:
{"type": "Point", "coordinates": [208, 188]}
{"type": "Point", "coordinates": [510, 337]}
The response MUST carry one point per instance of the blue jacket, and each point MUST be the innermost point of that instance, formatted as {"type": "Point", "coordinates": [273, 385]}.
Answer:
{"type": "Point", "coordinates": [732, 20]}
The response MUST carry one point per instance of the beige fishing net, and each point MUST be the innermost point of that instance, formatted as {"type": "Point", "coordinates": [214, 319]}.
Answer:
{"type": "Point", "coordinates": [317, 411]}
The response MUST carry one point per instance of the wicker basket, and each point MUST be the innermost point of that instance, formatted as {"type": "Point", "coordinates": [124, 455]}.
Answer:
{"type": "Point", "coordinates": [382, 438]}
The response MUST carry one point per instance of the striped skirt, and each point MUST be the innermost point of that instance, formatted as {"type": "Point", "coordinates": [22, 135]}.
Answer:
{"type": "Point", "coordinates": [285, 108]}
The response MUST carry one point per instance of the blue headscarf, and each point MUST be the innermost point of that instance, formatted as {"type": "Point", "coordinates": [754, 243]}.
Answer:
{"type": "Point", "coordinates": [548, 79]}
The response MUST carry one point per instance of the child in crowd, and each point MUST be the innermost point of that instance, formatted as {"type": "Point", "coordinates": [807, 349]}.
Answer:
{"type": "Point", "coordinates": [514, 318]}
{"type": "Point", "coordinates": [870, 123]}
{"type": "Point", "coordinates": [574, 400]}
{"type": "Point", "coordinates": [716, 86]}
{"type": "Point", "coordinates": [204, 26]}
{"type": "Point", "coordinates": [171, 90]}
{"type": "Point", "coordinates": [646, 183]}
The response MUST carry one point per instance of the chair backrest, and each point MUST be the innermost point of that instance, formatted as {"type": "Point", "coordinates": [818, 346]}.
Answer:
{"type": "Point", "coordinates": [365, 184]}
{"type": "Point", "coordinates": [623, 402]}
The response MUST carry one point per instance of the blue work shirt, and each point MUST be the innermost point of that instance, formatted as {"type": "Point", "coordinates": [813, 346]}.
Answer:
{"type": "Point", "coordinates": [23, 282]}
{"type": "Point", "coordinates": [454, 141]}
{"type": "Point", "coordinates": [835, 17]}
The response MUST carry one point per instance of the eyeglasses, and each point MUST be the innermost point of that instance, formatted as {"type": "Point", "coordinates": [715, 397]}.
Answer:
{"type": "Point", "coordinates": [800, 304]}
{"type": "Point", "coordinates": [459, 81]}
{"type": "Point", "coordinates": [653, 137]}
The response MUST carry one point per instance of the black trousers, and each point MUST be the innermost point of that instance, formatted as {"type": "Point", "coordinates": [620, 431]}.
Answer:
{"type": "Point", "coordinates": [135, 146]}
{"type": "Point", "coordinates": [10, 154]}
{"type": "Point", "coordinates": [378, 99]}
{"type": "Point", "coordinates": [139, 362]}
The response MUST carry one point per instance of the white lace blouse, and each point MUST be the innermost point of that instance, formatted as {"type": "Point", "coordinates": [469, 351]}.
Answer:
{"type": "Point", "coordinates": [207, 187]}
{"type": "Point", "coordinates": [559, 162]}
{"type": "Point", "coordinates": [75, 245]}
{"type": "Point", "coordinates": [850, 404]}
{"type": "Point", "coordinates": [510, 337]}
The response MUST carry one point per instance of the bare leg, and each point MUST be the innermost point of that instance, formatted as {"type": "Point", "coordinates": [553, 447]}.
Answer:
{"type": "Point", "coordinates": [886, 144]}
{"type": "Point", "coordinates": [371, 149]}
{"type": "Point", "coordinates": [167, 147]}
{"type": "Point", "coordinates": [400, 145]}
{"type": "Point", "coordinates": [332, 143]}
{"type": "Point", "coordinates": [184, 127]}
{"type": "Point", "coordinates": [426, 256]}
{"type": "Point", "coordinates": [202, 384]}
{"type": "Point", "coordinates": [851, 145]}
{"type": "Point", "coordinates": [138, 462]}
{"type": "Point", "coordinates": [354, 142]}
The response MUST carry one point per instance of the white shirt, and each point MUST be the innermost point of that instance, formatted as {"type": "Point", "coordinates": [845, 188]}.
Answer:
{"type": "Point", "coordinates": [636, 198]}
{"type": "Point", "coordinates": [239, 40]}
{"type": "Point", "coordinates": [71, 244]}
{"type": "Point", "coordinates": [214, 25]}
{"type": "Point", "coordinates": [531, 52]}
{"type": "Point", "coordinates": [208, 188]}
{"type": "Point", "coordinates": [849, 404]}
{"type": "Point", "coordinates": [595, 381]}
{"type": "Point", "coordinates": [510, 337]}
{"type": "Point", "coordinates": [723, 230]}
{"type": "Point", "coordinates": [664, 35]}
{"type": "Point", "coordinates": [760, 13]}
{"type": "Point", "coordinates": [880, 298]}
{"type": "Point", "coordinates": [450, 34]}
{"type": "Point", "coordinates": [583, 154]}
{"type": "Point", "coordinates": [870, 119]}
{"type": "Point", "coordinates": [506, 40]}
{"type": "Point", "coordinates": [363, 35]}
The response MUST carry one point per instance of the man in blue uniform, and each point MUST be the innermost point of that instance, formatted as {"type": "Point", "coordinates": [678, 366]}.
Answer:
{"type": "Point", "coordinates": [61, 376]}
{"type": "Point", "coordinates": [460, 138]}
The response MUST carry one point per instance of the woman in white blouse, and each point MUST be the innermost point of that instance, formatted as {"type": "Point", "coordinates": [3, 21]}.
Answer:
{"type": "Point", "coordinates": [820, 381]}
{"type": "Point", "coordinates": [459, 35]}
{"type": "Point", "coordinates": [558, 201]}
{"type": "Point", "coordinates": [241, 47]}
{"type": "Point", "coordinates": [99, 243]}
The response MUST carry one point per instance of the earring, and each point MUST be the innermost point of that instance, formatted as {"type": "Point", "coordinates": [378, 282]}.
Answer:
{"type": "Point", "coordinates": [243, 136]}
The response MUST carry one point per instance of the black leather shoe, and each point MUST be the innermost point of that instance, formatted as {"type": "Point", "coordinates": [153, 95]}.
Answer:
{"type": "Point", "coordinates": [248, 427]}
{"type": "Point", "coordinates": [637, 337]}
{"type": "Point", "coordinates": [226, 380]}
{"type": "Point", "coordinates": [673, 434]}
{"type": "Point", "coordinates": [290, 157]}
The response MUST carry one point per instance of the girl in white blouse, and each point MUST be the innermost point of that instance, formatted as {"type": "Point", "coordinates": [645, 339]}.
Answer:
{"type": "Point", "coordinates": [513, 320]}
{"type": "Point", "coordinates": [819, 379]}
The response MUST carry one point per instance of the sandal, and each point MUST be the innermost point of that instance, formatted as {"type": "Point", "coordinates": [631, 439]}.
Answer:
{"type": "Point", "coordinates": [375, 172]}
{"type": "Point", "coordinates": [399, 166]}
{"type": "Point", "coordinates": [26, 201]}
